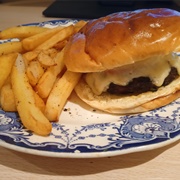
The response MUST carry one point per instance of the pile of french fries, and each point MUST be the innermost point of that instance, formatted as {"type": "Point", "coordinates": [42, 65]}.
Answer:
{"type": "Point", "coordinates": [33, 78]}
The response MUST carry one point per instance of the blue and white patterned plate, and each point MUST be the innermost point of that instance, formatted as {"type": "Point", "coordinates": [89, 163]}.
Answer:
{"type": "Point", "coordinates": [83, 132]}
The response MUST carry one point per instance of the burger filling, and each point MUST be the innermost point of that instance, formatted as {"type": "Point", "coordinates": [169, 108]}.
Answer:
{"type": "Point", "coordinates": [140, 77]}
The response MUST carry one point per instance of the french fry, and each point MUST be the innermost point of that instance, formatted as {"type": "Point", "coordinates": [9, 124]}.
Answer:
{"type": "Point", "coordinates": [52, 52]}
{"type": "Point", "coordinates": [32, 42]}
{"type": "Point", "coordinates": [79, 25]}
{"type": "Point", "coordinates": [45, 59]}
{"type": "Point", "coordinates": [6, 64]}
{"type": "Point", "coordinates": [48, 79]}
{"type": "Point", "coordinates": [7, 100]}
{"type": "Point", "coordinates": [31, 116]}
{"type": "Point", "coordinates": [21, 32]}
{"type": "Point", "coordinates": [60, 36]}
{"type": "Point", "coordinates": [60, 93]}
{"type": "Point", "coordinates": [39, 102]}
{"type": "Point", "coordinates": [34, 72]}
{"type": "Point", "coordinates": [30, 55]}
{"type": "Point", "coordinates": [11, 47]}
{"type": "Point", "coordinates": [60, 45]}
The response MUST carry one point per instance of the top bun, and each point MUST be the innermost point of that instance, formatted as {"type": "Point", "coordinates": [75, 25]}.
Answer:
{"type": "Point", "coordinates": [123, 38]}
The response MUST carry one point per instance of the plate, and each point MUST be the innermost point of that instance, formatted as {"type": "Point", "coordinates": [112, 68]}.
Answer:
{"type": "Point", "coordinates": [83, 132]}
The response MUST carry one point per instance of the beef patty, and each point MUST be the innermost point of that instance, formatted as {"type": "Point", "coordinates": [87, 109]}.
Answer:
{"type": "Point", "coordinates": [141, 84]}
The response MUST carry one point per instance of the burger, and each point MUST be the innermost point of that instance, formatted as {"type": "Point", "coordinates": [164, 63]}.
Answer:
{"type": "Point", "coordinates": [129, 60]}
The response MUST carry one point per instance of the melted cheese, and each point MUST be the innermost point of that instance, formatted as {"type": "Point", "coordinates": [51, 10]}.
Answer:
{"type": "Point", "coordinates": [156, 69]}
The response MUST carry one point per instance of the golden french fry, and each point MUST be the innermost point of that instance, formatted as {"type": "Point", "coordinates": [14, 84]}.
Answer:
{"type": "Point", "coordinates": [34, 72]}
{"type": "Point", "coordinates": [21, 32]}
{"type": "Point", "coordinates": [32, 42]}
{"type": "Point", "coordinates": [30, 55]}
{"type": "Point", "coordinates": [60, 36]}
{"type": "Point", "coordinates": [7, 100]}
{"type": "Point", "coordinates": [45, 59]}
{"type": "Point", "coordinates": [6, 64]}
{"type": "Point", "coordinates": [60, 93]}
{"type": "Point", "coordinates": [48, 79]}
{"type": "Point", "coordinates": [60, 45]}
{"type": "Point", "coordinates": [31, 116]}
{"type": "Point", "coordinates": [11, 47]}
{"type": "Point", "coordinates": [79, 25]}
{"type": "Point", "coordinates": [52, 52]}
{"type": "Point", "coordinates": [39, 102]}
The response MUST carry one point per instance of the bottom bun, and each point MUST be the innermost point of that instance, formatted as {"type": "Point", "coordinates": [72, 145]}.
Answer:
{"type": "Point", "coordinates": [129, 104]}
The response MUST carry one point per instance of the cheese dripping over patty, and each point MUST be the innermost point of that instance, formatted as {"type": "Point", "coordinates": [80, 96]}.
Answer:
{"type": "Point", "coordinates": [156, 68]}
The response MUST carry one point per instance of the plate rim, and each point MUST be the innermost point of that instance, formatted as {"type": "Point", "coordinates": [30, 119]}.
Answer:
{"type": "Point", "coordinates": [88, 155]}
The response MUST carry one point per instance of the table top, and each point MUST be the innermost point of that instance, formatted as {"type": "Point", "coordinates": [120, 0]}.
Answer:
{"type": "Point", "coordinates": [162, 163]}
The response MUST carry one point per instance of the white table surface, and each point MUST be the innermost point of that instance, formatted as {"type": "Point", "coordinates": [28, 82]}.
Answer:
{"type": "Point", "coordinates": [157, 164]}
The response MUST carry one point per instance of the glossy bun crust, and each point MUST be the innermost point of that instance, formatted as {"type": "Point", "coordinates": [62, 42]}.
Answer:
{"type": "Point", "coordinates": [123, 38]}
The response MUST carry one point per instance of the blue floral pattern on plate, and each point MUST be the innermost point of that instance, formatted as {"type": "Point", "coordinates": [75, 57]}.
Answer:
{"type": "Point", "coordinates": [97, 136]}
{"type": "Point", "coordinates": [124, 135]}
